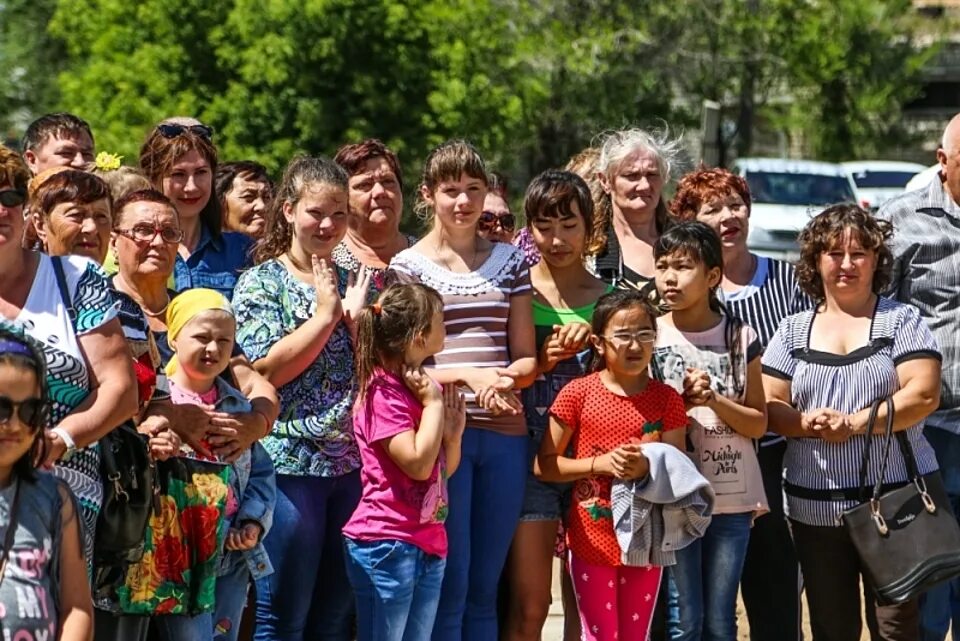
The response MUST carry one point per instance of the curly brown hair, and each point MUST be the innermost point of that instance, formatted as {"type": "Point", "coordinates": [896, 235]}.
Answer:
{"type": "Point", "coordinates": [827, 229]}
{"type": "Point", "coordinates": [703, 185]}
{"type": "Point", "coordinates": [13, 171]}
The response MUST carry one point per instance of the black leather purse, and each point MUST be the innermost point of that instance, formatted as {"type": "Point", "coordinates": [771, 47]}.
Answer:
{"type": "Point", "coordinates": [908, 538]}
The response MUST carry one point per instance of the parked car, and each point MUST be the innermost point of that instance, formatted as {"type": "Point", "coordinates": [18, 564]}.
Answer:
{"type": "Point", "coordinates": [922, 179]}
{"type": "Point", "coordinates": [785, 194]}
{"type": "Point", "coordinates": [877, 181]}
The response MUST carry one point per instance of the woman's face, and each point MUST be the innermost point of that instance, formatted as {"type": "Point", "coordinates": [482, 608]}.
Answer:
{"type": "Point", "coordinates": [496, 224]}
{"type": "Point", "coordinates": [636, 185]}
{"type": "Point", "coordinates": [847, 268]}
{"type": "Point", "coordinates": [457, 204]}
{"type": "Point", "coordinates": [247, 203]}
{"type": "Point", "coordinates": [11, 217]}
{"type": "Point", "coordinates": [318, 219]}
{"type": "Point", "coordinates": [560, 240]}
{"type": "Point", "coordinates": [729, 217]}
{"type": "Point", "coordinates": [189, 184]}
{"type": "Point", "coordinates": [139, 258]}
{"type": "Point", "coordinates": [375, 195]}
{"type": "Point", "coordinates": [76, 228]}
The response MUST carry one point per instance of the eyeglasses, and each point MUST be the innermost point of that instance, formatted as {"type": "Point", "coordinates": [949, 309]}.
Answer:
{"type": "Point", "coordinates": [489, 220]}
{"type": "Point", "coordinates": [143, 234]}
{"type": "Point", "coordinates": [12, 197]}
{"type": "Point", "coordinates": [31, 411]}
{"type": "Point", "coordinates": [172, 130]}
{"type": "Point", "coordinates": [623, 339]}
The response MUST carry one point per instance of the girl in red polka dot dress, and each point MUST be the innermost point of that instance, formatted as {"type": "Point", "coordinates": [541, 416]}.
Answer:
{"type": "Point", "coordinates": [606, 417]}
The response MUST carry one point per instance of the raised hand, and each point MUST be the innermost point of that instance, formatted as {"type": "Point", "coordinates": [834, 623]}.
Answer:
{"type": "Point", "coordinates": [358, 284]}
{"type": "Point", "coordinates": [423, 387]}
{"type": "Point", "coordinates": [325, 283]}
{"type": "Point", "coordinates": [454, 413]}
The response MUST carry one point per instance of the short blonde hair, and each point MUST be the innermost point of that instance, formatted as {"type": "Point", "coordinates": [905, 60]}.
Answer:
{"type": "Point", "coordinates": [124, 180]}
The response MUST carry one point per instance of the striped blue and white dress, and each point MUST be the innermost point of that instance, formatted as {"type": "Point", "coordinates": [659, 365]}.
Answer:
{"type": "Point", "coordinates": [846, 383]}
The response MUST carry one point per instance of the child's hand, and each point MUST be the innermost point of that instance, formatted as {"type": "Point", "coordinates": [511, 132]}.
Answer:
{"type": "Point", "coordinates": [696, 387]}
{"type": "Point", "coordinates": [628, 462]}
{"type": "Point", "coordinates": [498, 402]}
{"type": "Point", "coordinates": [358, 284]}
{"type": "Point", "coordinates": [325, 284]}
{"type": "Point", "coordinates": [422, 386]}
{"type": "Point", "coordinates": [244, 538]}
{"type": "Point", "coordinates": [454, 414]}
{"type": "Point", "coordinates": [572, 336]}
{"type": "Point", "coordinates": [164, 444]}
{"type": "Point", "coordinates": [560, 345]}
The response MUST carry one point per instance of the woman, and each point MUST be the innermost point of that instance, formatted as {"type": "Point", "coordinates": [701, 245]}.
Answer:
{"type": "Point", "coordinates": [489, 348]}
{"type": "Point", "coordinates": [823, 369]}
{"type": "Point", "coordinates": [71, 212]}
{"type": "Point", "coordinates": [633, 166]}
{"type": "Point", "coordinates": [180, 160]}
{"type": "Point", "coordinates": [293, 324]}
{"type": "Point", "coordinates": [373, 235]}
{"type": "Point", "coordinates": [88, 367]}
{"type": "Point", "coordinates": [761, 292]}
{"type": "Point", "coordinates": [245, 191]}
{"type": "Point", "coordinates": [496, 223]}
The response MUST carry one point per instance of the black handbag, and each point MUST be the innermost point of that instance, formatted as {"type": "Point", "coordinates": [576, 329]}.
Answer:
{"type": "Point", "coordinates": [128, 475]}
{"type": "Point", "coordinates": [908, 538]}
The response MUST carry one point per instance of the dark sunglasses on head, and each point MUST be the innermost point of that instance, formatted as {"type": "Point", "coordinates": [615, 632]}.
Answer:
{"type": "Point", "coordinates": [172, 130]}
{"type": "Point", "coordinates": [489, 220]}
{"type": "Point", "coordinates": [30, 411]}
{"type": "Point", "coordinates": [12, 197]}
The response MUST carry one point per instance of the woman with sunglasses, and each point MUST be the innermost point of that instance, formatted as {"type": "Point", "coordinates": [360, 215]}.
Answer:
{"type": "Point", "coordinates": [180, 160]}
{"type": "Point", "coordinates": [373, 235]}
{"type": "Point", "coordinates": [89, 375]}
{"type": "Point", "coordinates": [496, 223]}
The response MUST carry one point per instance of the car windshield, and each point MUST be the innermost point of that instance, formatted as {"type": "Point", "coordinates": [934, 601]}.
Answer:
{"type": "Point", "coordinates": [798, 189]}
{"type": "Point", "coordinates": [881, 179]}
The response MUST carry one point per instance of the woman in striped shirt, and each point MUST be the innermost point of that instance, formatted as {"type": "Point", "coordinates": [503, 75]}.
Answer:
{"type": "Point", "coordinates": [490, 350]}
{"type": "Point", "coordinates": [761, 292]}
{"type": "Point", "coordinates": [822, 371]}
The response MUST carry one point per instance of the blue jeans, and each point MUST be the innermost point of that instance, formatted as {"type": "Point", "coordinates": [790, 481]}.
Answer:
{"type": "Point", "coordinates": [940, 605]}
{"type": "Point", "coordinates": [308, 596]}
{"type": "Point", "coordinates": [702, 599]}
{"type": "Point", "coordinates": [231, 598]}
{"type": "Point", "coordinates": [397, 586]}
{"type": "Point", "coordinates": [486, 494]}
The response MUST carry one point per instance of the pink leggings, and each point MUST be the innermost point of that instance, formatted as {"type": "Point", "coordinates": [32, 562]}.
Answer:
{"type": "Point", "coordinates": [615, 602]}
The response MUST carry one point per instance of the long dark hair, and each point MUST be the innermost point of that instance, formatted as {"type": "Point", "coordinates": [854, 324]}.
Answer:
{"type": "Point", "coordinates": [386, 329]}
{"type": "Point", "coordinates": [34, 361]}
{"type": "Point", "coordinates": [608, 305]}
{"type": "Point", "coordinates": [698, 241]}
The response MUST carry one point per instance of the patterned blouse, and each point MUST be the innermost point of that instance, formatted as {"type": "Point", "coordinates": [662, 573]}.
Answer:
{"type": "Point", "coordinates": [314, 434]}
{"type": "Point", "coordinates": [347, 260]}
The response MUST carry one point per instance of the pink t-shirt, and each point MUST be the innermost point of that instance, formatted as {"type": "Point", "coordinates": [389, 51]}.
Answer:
{"type": "Point", "coordinates": [393, 505]}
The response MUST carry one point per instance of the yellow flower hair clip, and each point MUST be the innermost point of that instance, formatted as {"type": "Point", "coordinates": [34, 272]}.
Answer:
{"type": "Point", "coordinates": [106, 161]}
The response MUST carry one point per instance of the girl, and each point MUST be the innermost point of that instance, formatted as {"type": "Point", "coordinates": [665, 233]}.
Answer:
{"type": "Point", "coordinates": [490, 349]}
{"type": "Point", "coordinates": [559, 214]}
{"type": "Point", "coordinates": [44, 591]}
{"type": "Point", "coordinates": [409, 433]}
{"type": "Point", "coordinates": [714, 361]}
{"type": "Point", "coordinates": [294, 313]}
{"type": "Point", "coordinates": [605, 417]}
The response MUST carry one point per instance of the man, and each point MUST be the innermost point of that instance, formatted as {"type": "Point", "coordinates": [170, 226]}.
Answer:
{"type": "Point", "coordinates": [926, 274]}
{"type": "Point", "coordinates": [57, 140]}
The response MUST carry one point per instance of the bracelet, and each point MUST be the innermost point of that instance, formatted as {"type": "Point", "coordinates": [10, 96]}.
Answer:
{"type": "Point", "coordinates": [593, 461]}
{"type": "Point", "coordinates": [68, 441]}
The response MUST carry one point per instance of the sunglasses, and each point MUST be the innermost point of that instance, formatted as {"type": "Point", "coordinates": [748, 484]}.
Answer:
{"type": "Point", "coordinates": [172, 130]}
{"type": "Point", "coordinates": [31, 411]}
{"type": "Point", "coordinates": [12, 197]}
{"type": "Point", "coordinates": [143, 234]}
{"type": "Point", "coordinates": [489, 220]}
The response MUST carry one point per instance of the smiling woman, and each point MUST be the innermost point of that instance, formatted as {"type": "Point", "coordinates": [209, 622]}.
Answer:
{"type": "Point", "coordinates": [71, 211]}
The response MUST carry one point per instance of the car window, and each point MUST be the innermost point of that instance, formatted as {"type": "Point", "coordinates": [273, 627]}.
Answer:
{"type": "Point", "coordinates": [798, 189]}
{"type": "Point", "coordinates": [877, 179]}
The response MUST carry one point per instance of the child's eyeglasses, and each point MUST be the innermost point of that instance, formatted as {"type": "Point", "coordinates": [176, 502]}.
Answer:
{"type": "Point", "coordinates": [489, 220]}
{"type": "Point", "coordinates": [623, 339]}
{"type": "Point", "coordinates": [172, 130]}
{"type": "Point", "coordinates": [12, 197]}
{"type": "Point", "coordinates": [30, 411]}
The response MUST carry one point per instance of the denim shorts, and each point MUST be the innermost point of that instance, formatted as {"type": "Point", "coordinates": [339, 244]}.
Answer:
{"type": "Point", "coordinates": [543, 501]}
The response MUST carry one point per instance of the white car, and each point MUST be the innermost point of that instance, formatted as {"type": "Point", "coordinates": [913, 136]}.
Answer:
{"type": "Point", "coordinates": [785, 194]}
{"type": "Point", "coordinates": [922, 179]}
{"type": "Point", "coordinates": [877, 181]}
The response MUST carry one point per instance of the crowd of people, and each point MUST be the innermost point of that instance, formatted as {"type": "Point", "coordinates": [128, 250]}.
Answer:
{"type": "Point", "coordinates": [232, 408]}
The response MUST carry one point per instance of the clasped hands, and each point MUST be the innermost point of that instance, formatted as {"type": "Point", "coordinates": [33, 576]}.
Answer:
{"type": "Point", "coordinates": [830, 425]}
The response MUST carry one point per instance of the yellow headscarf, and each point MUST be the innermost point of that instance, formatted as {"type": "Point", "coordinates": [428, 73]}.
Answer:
{"type": "Point", "coordinates": [185, 307]}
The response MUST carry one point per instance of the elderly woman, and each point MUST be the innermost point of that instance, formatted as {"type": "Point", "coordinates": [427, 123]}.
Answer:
{"type": "Point", "coordinates": [180, 160]}
{"type": "Point", "coordinates": [634, 165]}
{"type": "Point", "coordinates": [89, 374]}
{"type": "Point", "coordinates": [823, 370]}
{"type": "Point", "coordinates": [761, 292]}
{"type": "Point", "coordinates": [71, 212]}
{"type": "Point", "coordinates": [245, 191]}
{"type": "Point", "coordinates": [373, 234]}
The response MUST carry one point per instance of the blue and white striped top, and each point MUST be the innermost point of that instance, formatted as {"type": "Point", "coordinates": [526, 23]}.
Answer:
{"type": "Point", "coordinates": [846, 383]}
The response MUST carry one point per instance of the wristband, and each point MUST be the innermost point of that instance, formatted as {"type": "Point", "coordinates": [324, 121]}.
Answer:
{"type": "Point", "coordinates": [64, 436]}
{"type": "Point", "coordinates": [268, 423]}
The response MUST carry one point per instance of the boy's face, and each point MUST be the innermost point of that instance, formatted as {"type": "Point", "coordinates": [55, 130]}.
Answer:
{"type": "Point", "coordinates": [205, 344]}
{"type": "Point", "coordinates": [66, 150]}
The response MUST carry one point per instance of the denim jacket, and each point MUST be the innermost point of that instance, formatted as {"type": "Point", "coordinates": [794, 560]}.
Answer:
{"type": "Point", "coordinates": [255, 486]}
